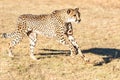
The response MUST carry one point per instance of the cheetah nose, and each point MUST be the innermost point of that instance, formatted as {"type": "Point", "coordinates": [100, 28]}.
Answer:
{"type": "Point", "coordinates": [79, 20]}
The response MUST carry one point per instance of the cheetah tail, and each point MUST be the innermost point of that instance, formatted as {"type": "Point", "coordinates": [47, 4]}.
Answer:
{"type": "Point", "coordinates": [6, 35]}
{"type": "Point", "coordinates": [3, 35]}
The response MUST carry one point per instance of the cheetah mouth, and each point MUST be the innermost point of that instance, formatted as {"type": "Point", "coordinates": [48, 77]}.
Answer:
{"type": "Point", "coordinates": [77, 21]}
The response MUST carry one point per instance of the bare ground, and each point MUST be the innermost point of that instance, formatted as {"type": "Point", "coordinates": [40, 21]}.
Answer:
{"type": "Point", "coordinates": [98, 35]}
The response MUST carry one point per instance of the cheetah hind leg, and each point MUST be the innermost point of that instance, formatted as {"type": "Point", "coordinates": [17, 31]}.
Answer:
{"type": "Point", "coordinates": [32, 39]}
{"type": "Point", "coordinates": [13, 43]}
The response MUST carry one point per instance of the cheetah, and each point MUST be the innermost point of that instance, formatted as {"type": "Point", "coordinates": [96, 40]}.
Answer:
{"type": "Point", "coordinates": [57, 24]}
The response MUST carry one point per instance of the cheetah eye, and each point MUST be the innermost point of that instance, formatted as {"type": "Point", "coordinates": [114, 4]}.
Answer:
{"type": "Point", "coordinates": [74, 15]}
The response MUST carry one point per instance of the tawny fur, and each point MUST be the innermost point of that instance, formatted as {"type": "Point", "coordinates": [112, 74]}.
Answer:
{"type": "Point", "coordinates": [55, 25]}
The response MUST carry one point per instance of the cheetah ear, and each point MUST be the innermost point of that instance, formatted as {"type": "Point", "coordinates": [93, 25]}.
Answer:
{"type": "Point", "coordinates": [69, 11]}
{"type": "Point", "coordinates": [76, 9]}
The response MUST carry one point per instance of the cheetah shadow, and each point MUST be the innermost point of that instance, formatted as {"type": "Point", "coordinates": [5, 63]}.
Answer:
{"type": "Point", "coordinates": [110, 53]}
{"type": "Point", "coordinates": [49, 53]}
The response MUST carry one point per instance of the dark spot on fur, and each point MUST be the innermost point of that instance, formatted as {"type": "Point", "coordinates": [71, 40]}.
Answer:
{"type": "Point", "coordinates": [28, 33]}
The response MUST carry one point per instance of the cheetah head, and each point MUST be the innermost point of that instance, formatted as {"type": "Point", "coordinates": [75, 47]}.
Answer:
{"type": "Point", "coordinates": [68, 15]}
{"type": "Point", "coordinates": [73, 15]}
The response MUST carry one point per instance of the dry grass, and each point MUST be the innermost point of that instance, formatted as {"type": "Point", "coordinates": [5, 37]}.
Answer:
{"type": "Point", "coordinates": [98, 34]}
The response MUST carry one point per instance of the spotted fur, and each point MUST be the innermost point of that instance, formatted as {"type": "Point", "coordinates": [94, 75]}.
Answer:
{"type": "Point", "coordinates": [55, 25]}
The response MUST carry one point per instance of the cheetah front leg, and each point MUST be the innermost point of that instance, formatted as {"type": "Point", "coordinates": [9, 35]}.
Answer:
{"type": "Point", "coordinates": [65, 41]}
{"type": "Point", "coordinates": [74, 48]}
{"type": "Point", "coordinates": [75, 45]}
{"type": "Point", "coordinates": [69, 33]}
{"type": "Point", "coordinates": [32, 39]}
